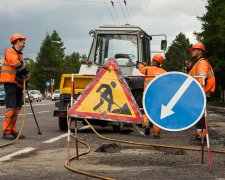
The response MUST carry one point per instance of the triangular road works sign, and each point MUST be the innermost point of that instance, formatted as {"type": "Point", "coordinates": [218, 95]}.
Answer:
{"type": "Point", "coordinates": [107, 97]}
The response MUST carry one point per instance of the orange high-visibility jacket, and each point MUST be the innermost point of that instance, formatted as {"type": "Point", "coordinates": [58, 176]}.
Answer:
{"type": "Point", "coordinates": [203, 68]}
{"type": "Point", "coordinates": [151, 72]}
{"type": "Point", "coordinates": [10, 65]}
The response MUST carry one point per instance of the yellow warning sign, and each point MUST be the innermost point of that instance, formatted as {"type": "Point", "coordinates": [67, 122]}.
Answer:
{"type": "Point", "coordinates": [107, 97]}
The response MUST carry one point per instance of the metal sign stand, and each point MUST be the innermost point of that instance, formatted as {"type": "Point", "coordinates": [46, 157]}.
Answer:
{"type": "Point", "coordinates": [206, 132]}
{"type": "Point", "coordinates": [68, 140]}
{"type": "Point", "coordinates": [207, 140]}
{"type": "Point", "coordinates": [69, 121]}
{"type": "Point", "coordinates": [75, 121]}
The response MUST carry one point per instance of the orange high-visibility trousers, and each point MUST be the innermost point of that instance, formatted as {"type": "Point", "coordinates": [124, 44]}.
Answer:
{"type": "Point", "coordinates": [7, 124]}
{"type": "Point", "coordinates": [156, 131]}
{"type": "Point", "coordinates": [146, 121]}
{"type": "Point", "coordinates": [14, 118]}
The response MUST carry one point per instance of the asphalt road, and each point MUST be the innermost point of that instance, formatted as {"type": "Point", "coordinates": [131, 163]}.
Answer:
{"type": "Point", "coordinates": [43, 156]}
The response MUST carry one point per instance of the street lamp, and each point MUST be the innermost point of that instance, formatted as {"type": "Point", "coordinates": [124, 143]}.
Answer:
{"type": "Point", "coordinates": [184, 55]}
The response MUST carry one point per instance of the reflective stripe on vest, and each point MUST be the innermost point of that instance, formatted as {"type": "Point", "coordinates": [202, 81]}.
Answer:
{"type": "Point", "coordinates": [5, 64]}
{"type": "Point", "coordinates": [16, 65]}
{"type": "Point", "coordinates": [8, 117]}
{"type": "Point", "coordinates": [203, 74]}
{"type": "Point", "coordinates": [10, 109]}
{"type": "Point", "coordinates": [9, 71]}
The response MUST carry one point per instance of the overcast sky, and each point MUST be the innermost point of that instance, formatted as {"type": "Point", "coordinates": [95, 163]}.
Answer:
{"type": "Point", "coordinates": [73, 19]}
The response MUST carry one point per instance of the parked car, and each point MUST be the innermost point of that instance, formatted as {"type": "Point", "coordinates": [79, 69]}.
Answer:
{"type": "Point", "coordinates": [2, 95]}
{"type": "Point", "coordinates": [31, 97]}
{"type": "Point", "coordinates": [56, 95]}
{"type": "Point", "coordinates": [37, 96]}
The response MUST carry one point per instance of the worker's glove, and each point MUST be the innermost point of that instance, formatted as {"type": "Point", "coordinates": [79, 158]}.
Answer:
{"type": "Point", "coordinates": [138, 64]}
{"type": "Point", "coordinates": [28, 77]}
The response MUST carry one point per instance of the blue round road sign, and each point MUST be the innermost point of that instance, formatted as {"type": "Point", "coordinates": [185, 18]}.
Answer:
{"type": "Point", "coordinates": [174, 101]}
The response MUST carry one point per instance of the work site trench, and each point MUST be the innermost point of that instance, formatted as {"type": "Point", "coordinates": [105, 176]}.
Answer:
{"type": "Point", "coordinates": [126, 161]}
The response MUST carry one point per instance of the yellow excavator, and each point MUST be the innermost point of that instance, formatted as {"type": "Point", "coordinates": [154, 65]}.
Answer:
{"type": "Point", "coordinates": [127, 44]}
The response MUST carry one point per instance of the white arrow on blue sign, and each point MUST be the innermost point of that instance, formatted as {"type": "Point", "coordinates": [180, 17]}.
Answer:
{"type": "Point", "coordinates": [174, 101]}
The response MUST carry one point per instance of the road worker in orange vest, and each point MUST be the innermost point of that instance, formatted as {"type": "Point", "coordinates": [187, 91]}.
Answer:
{"type": "Point", "coordinates": [13, 73]}
{"type": "Point", "coordinates": [151, 72]}
{"type": "Point", "coordinates": [203, 73]}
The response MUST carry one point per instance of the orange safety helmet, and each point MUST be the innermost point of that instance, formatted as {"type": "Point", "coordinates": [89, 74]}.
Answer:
{"type": "Point", "coordinates": [15, 37]}
{"type": "Point", "coordinates": [197, 46]}
{"type": "Point", "coordinates": [159, 58]}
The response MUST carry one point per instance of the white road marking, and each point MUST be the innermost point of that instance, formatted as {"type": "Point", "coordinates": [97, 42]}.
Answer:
{"type": "Point", "coordinates": [10, 156]}
{"type": "Point", "coordinates": [29, 149]}
{"type": "Point", "coordinates": [40, 112]}
{"type": "Point", "coordinates": [55, 138]}
{"type": "Point", "coordinates": [43, 104]}
{"type": "Point", "coordinates": [84, 127]}
{"type": "Point", "coordinates": [167, 110]}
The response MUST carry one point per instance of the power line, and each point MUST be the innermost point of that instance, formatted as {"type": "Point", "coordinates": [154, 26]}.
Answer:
{"type": "Point", "coordinates": [123, 12]}
{"type": "Point", "coordinates": [81, 1]}
{"type": "Point", "coordinates": [109, 11]}
{"type": "Point", "coordinates": [87, 1]}
{"type": "Point", "coordinates": [115, 11]}
{"type": "Point", "coordinates": [100, 1]}
{"type": "Point", "coordinates": [125, 3]}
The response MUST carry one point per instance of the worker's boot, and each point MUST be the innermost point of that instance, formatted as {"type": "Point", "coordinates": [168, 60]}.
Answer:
{"type": "Point", "coordinates": [200, 134]}
{"type": "Point", "coordinates": [201, 129]}
{"type": "Point", "coordinates": [147, 130]}
{"type": "Point", "coordinates": [15, 135]}
{"type": "Point", "coordinates": [146, 125]}
{"type": "Point", "coordinates": [7, 124]}
{"type": "Point", "coordinates": [8, 136]}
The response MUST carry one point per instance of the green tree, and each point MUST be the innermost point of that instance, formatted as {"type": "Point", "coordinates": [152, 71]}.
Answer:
{"type": "Point", "coordinates": [213, 37]}
{"type": "Point", "coordinates": [49, 61]}
{"type": "Point", "coordinates": [83, 58]}
{"type": "Point", "coordinates": [177, 53]}
{"type": "Point", "coordinates": [71, 63]}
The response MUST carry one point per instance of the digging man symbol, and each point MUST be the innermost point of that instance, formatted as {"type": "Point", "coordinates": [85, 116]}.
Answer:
{"type": "Point", "coordinates": [107, 96]}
